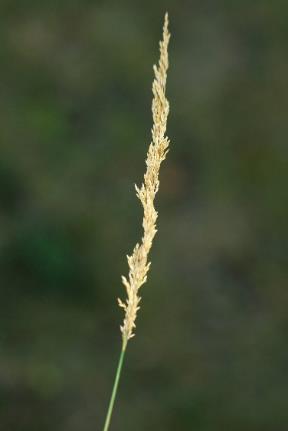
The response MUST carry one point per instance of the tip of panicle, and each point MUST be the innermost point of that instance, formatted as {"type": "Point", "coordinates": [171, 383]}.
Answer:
{"type": "Point", "coordinates": [166, 19]}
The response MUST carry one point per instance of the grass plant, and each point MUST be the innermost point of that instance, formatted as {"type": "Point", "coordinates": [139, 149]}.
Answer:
{"type": "Point", "coordinates": [138, 261]}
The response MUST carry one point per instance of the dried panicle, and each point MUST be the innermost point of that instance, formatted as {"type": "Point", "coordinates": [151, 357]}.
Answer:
{"type": "Point", "coordinates": [138, 261]}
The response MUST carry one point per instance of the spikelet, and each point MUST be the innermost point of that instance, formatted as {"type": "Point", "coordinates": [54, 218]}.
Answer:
{"type": "Point", "coordinates": [138, 261]}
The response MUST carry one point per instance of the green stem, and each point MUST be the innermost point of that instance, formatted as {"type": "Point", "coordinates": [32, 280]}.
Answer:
{"type": "Point", "coordinates": [115, 387]}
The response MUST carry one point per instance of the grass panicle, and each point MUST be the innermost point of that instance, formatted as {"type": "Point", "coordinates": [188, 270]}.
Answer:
{"type": "Point", "coordinates": [138, 261]}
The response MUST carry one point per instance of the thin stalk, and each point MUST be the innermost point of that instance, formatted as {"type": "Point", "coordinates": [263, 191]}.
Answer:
{"type": "Point", "coordinates": [115, 387]}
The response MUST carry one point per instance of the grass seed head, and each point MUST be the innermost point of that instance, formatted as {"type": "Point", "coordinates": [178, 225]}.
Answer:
{"type": "Point", "coordinates": [138, 261]}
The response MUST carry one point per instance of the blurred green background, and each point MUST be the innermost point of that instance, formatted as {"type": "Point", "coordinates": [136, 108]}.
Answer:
{"type": "Point", "coordinates": [211, 349]}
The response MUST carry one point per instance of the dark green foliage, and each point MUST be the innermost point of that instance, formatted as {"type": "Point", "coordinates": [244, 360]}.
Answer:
{"type": "Point", "coordinates": [211, 350]}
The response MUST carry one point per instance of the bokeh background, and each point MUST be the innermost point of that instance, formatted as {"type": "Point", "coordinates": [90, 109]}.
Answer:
{"type": "Point", "coordinates": [211, 349]}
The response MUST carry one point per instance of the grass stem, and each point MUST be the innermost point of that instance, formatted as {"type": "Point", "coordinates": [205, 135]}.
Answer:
{"type": "Point", "coordinates": [115, 387]}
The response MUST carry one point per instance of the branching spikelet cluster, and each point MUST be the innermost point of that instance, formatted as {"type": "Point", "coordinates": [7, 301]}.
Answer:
{"type": "Point", "coordinates": [138, 261]}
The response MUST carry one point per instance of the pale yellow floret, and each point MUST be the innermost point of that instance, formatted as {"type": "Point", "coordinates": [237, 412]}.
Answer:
{"type": "Point", "coordinates": [138, 261]}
